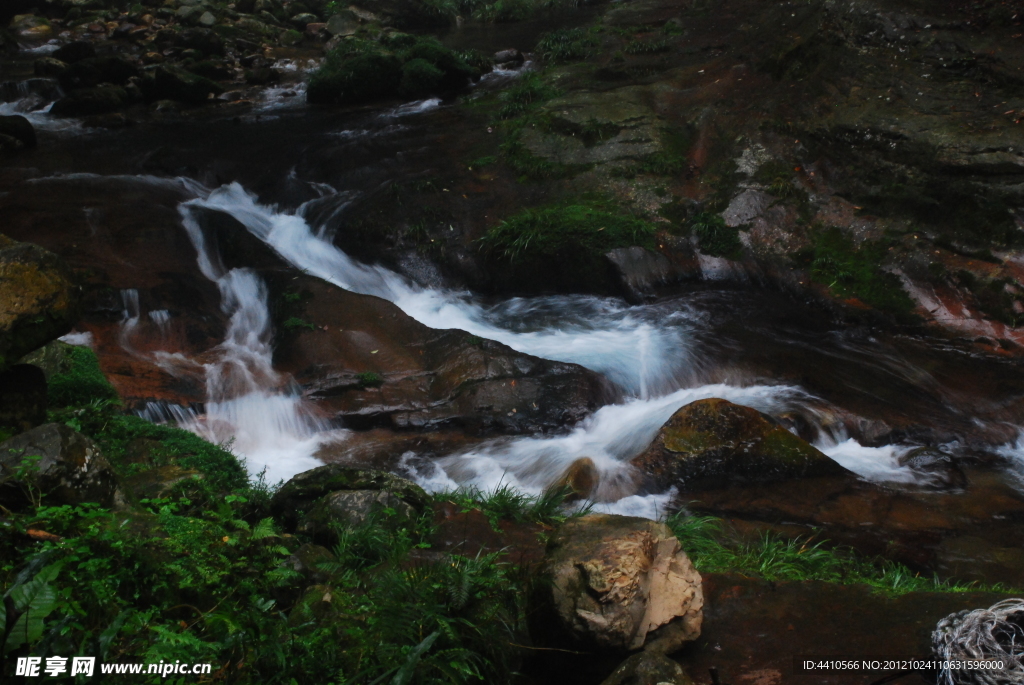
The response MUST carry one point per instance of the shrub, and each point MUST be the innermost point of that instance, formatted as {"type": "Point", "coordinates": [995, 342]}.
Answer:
{"type": "Point", "coordinates": [527, 92]}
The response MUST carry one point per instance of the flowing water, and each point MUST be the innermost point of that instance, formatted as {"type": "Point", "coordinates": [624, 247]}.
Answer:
{"type": "Point", "coordinates": [657, 355]}
{"type": "Point", "coordinates": [647, 354]}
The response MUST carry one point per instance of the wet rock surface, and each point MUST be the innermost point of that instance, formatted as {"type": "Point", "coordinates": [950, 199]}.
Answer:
{"type": "Point", "coordinates": [753, 630]}
{"type": "Point", "coordinates": [712, 443]}
{"type": "Point", "coordinates": [368, 363]}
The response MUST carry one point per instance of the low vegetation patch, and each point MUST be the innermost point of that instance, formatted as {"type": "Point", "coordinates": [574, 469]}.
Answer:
{"type": "Point", "coordinates": [566, 232]}
{"type": "Point", "coordinates": [715, 237]}
{"type": "Point", "coordinates": [566, 45]}
{"type": "Point", "coordinates": [854, 271]}
{"type": "Point", "coordinates": [775, 558]}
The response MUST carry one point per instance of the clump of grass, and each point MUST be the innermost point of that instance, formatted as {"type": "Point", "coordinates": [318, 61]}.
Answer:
{"type": "Point", "coordinates": [716, 238]}
{"type": "Point", "coordinates": [646, 47]}
{"type": "Point", "coordinates": [566, 232]}
{"type": "Point", "coordinates": [294, 323]}
{"type": "Point", "coordinates": [774, 558]}
{"type": "Point", "coordinates": [526, 93]}
{"type": "Point", "coordinates": [849, 270]}
{"type": "Point", "coordinates": [566, 45]}
{"type": "Point", "coordinates": [506, 503]}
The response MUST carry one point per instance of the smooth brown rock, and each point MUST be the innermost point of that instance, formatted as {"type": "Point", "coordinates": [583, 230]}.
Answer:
{"type": "Point", "coordinates": [431, 378]}
{"type": "Point", "coordinates": [712, 443]}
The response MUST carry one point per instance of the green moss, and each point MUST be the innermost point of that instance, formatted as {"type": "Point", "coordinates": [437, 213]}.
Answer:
{"type": "Point", "coordinates": [716, 239]}
{"type": "Point", "coordinates": [352, 80]}
{"type": "Point", "coordinates": [646, 47]}
{"type": "Point", "coordinates": [360, 70]}
{"type": "Point", "coordinates": [419, 77]}
{"type": "Point", "coordinates": [570, 232]}
{"type": "Point", "coordinates": [79, 380]}
{"type": "Point", "coordinates": [849, 270]}
{"type": "Point", "coordinates": [369, 379]}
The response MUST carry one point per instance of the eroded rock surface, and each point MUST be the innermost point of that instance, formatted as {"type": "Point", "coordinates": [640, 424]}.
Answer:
{"type": "Point", "coordinates": [610, 580]}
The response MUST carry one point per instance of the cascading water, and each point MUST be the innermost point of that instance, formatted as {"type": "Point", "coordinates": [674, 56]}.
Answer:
{"type": "Point", "coordinates": [643, 350]}
{"type": "Point", "coordinates": [248, 403]}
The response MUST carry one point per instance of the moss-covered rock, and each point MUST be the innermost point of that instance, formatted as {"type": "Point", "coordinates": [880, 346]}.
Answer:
{"type": "Point", "coordinates": [354, 80]}
{"type": "Point", "coordinates": [167, 82]}
{"type": "Point", "coordinates": [92, 71]}
{"type": "Point", "coordinates": [714, 443]}
{"type": "Point", "coordinates": [38, 299]}
{"type": "Point", "coordinates": [300, 494]}
{"type": "Point", "coordinates": [89, 101]}
{"type": "Point", "coordinates": [419, 77]}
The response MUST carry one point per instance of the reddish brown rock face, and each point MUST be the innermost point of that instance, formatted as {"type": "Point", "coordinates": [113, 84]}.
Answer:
{"type": "Point", "coordinates": [427, 378]}
{"type": "Point", "coordinates": [753, 629]}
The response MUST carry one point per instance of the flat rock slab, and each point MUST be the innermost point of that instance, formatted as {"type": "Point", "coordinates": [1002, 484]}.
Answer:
{"type": "Point", "coordinates": [753, 629]}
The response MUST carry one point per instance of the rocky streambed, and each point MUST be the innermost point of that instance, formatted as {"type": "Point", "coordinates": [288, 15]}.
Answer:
{"type": "Point", "coordinates": [791, 231]}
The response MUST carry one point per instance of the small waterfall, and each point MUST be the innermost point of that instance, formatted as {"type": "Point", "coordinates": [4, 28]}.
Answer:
{"type": "Point", "coordinates": [162, 319]}
{"type": "Point", "coordinates": [250, 405]}
{"type": "Point", "coordinates": [131, 315]}
{"type": "Point", "coordinates": [644, 350]}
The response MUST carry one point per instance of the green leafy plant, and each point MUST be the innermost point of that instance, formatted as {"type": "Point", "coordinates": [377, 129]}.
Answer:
{"type": "Point", "coordinates": [566, 45]}
{"type": "Point", "coordinates": [294, 323]}
{"type": "Point", "coordinates": [369, 379]}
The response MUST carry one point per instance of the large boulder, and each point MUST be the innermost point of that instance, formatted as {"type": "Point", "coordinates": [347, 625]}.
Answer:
{"type": "Point", "coordinates": [92, 71]}
{"type": "Point", "coordinates": [371, 364]}
{"type": "Point", "coordinates": [38, 300]}
{"type": "Point", "coordinates": [57, 464]}
{"type": "Point", "coordinates": [86, 102]}
{"type": "Point", "coordinates": [617, 583]}
{"type": "Point", "coordinates": [19, 128]}
{"type": "Point", "coordinates": [358, 488]}
{"type": "Point", "coordinates": [168, 82]}
{"type": "Point", "coordinates": [713, 443]}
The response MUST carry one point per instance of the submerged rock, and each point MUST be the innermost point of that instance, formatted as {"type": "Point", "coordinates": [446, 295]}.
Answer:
{"type": "Point", "coordinates": [712, 443]}
{"type": "Point", "coordinates": [609, 581]}
{"type": "Point", "coordinates": [38, 301]}
{"type": "Point", "coordinates": [57, 464]}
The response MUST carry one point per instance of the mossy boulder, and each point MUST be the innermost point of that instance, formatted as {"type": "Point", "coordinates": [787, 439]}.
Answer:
{"type": "Point", "coordinates": [92, 71]}
{"type": "Point", "coordinates": [89, 101]}
{"type": "Point", "coordinates": [302, 493]}
{"type": "Point", "coordinates": [38, 299]}
{"type": "Point", "coordinates": [56, 463]}
{"type": "Point", "coordinates": [354, 80]}
{"type": "Point", "coordinates": [19, 128]}
{"type": "Point", "coordinates": [168, 82]}
{"type": "Point", "coordinates": [714, 443]}
{"type": "Point", "coordinates": [419, 77]}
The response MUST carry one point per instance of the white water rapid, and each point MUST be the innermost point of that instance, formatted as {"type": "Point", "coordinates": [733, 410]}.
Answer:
{"type": "Point", "coordinates": [643, 350]}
